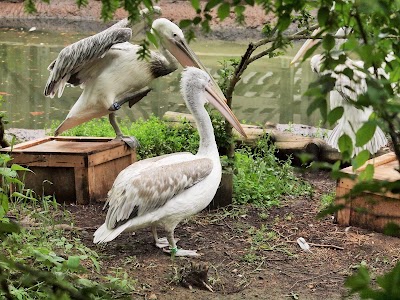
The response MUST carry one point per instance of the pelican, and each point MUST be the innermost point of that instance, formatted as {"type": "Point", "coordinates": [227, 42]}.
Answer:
{"type": "Point", "coordinates": [110, 72]}
{"type": "Point", "coordinates": [163, 190]}
{"type": "Point", "coordinates": [345, 91]}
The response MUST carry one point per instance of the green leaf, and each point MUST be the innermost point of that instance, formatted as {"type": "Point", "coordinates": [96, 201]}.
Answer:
{"type": "Point", "coordinates": [152, 38]}
{"type": "Point", "coordinates": [360, 159]}
{"type": "Point", "coordinates": [4, 201]}
{"type": "Point", "coordinates": [335, 114]}
{"type": "Point", "coordinates": [328, 42]}
{"type": "Point", "coordinates": [239, 10]}
{"type": "Point", "coordinates": [345, 144]}
{"type": "Point", "coordinates": [211, 4]}
{"type": "Point", "coordinates": [367, 174]}
{"type": "Point", "coordinates": [185, 23]}
{"type": "Point", "coordinates": [365, 133]}
{"type": "Point", "coordinates": [223, 11]}
{"type": "Point", "coordinates": [323, 15]}
{"type": "Point", "coordinates": [390, 283]}
{"type": "Point", "coordinates": [16, 167]}
{"type": "Point", "coordinates": [358, 281]}
{"type": "Point", "coordinates": [284, 22]}
{"type": "Point", "coordinates": [7, 172]}
{"type": "Point", "coordinates": [196, 4]}
{"type": "Point", "coordinates": [73, 262]}
{"type": "Point", "coordinates": [8, 227]}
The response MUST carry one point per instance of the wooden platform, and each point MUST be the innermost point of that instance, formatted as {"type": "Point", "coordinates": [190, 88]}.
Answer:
{"type": "Point", "coordinates": [74, 169]}
{"type": "Point", "coordinates": [370, 210]}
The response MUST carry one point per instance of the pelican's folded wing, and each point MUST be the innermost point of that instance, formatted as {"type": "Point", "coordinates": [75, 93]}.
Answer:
{"type": "Point", "coordinates": [73, 58]}
{"type": "Point", "coordinates": [135, 194]}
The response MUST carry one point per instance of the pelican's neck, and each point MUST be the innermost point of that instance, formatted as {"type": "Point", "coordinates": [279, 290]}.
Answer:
{"type": "Point", "coordinates": [207, 146]}
{"type": "Point", "coordinates": [172, 62]}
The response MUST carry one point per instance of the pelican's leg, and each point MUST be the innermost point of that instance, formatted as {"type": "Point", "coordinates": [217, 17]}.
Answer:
{"type": "Point", "coordinates": [173, 249]}
{"type": "Point", "coordinates": [162, 242]}
{"type": "Point", "coordinates": [131, 141]}
{"type": "Point", "coordinates": [132, 98]}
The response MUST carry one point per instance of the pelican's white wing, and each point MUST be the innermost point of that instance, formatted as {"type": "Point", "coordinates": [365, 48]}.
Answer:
{"type": "Point", "coordinates": [147, 186]}
{"type": "Point", "coordinates": [74, 57]}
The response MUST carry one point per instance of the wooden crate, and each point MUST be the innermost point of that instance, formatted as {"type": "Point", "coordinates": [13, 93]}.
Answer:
{"type": "Point", "coordinates": [74, 169]}
{"type": "Point", "coordinates": [370, 210]}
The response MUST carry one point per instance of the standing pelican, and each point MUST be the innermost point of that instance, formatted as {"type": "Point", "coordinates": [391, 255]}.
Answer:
{"type": "Point", "coordinates": [346, 90]}
{"type": "Point", "coordinates": [110, 72]}
{"type": "Point", "coordinates": [163, 190]}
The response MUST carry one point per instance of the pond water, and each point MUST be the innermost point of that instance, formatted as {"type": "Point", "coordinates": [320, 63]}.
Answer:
{"type": "Point", "coordinates": [270, 90]}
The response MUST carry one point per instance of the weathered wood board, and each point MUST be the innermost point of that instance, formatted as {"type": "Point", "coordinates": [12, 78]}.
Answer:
{"type": "Point", "coordinates": [74, 169]}
{"type": "Point", "coordinates": [370, 210]}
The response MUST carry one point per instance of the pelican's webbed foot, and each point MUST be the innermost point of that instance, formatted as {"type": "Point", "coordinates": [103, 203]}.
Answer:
{"type": "Point", "coordinates": [131, 141]}
{"type": "Point", "coordinates": [163, 242]}
{"type": "Point", "coordinates": [181, 252]}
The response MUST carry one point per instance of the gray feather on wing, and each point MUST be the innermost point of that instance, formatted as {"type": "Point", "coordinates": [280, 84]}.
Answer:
{"type": "Point", "coordinates": [73, 58]}
{"type": "Point", "coordinates": [153, 188]}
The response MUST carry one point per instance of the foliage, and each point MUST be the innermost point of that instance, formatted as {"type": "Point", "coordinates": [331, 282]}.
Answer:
{"type": "Point", "coordinates": [40, 260]}
{"type": "Point", "coordinates": [388, 284]}
{"type": "Point", "coordinates": [327, 199]}
{"type": "Point", "coordinates": [262, 179]}
{"type": "Point", "coordinates": [262, 239]}
{"type": "Point", "coordinates": [156, 136]}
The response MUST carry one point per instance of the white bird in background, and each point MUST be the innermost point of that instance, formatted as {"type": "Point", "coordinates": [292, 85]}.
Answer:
{"type": "Point", "coordinates": [162, 191]}
{"type": "Point", "coordinates": [346, 90]}
{"type": "Point", "coordinates": [110, 72]}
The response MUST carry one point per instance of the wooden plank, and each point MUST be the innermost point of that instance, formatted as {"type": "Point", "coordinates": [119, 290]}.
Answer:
{"type": "Point", "coordinates": [25, 145]}
{"type": "Point", "coordinates": [81, 185]}
{"type": "Point", "coordinates": [62, 147]}
{"type": "Point", "coordinates": [343, 215]}
{"type": "Point", "coordinates": [46, 160]}
{"type": "Point", "coordinates": [104, 156]}
{"type": "Point", "coordinates": [375, 212]}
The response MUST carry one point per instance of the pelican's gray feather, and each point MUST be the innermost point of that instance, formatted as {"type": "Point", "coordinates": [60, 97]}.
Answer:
{"type": "Point", "coordinates": [152, 186]}
{"type": "Point", "coordinates": [74, 57]}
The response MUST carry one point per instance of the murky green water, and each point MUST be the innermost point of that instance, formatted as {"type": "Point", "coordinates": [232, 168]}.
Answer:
{"type": "Point", "coordinates": [270, 90]}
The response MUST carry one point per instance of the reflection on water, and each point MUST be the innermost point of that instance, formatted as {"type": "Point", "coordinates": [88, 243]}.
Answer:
{"type": "Point", "coordinates": [269, 90]}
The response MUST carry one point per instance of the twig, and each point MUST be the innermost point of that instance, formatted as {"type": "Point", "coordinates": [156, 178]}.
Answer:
{"type": "Point", "coordinates": [311, 278]}
{"type": "Point", "coordinates": [321, 245]}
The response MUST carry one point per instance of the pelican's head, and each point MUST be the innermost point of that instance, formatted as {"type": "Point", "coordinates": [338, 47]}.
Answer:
{"type": "Point", "coordinates": [197, 82]}
{"type": "Point", "coordinates": [307, 45]}
{"type": "Point", "coordinates": [342, 32]}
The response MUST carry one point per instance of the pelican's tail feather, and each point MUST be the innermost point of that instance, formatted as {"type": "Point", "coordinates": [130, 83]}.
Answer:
{"type": "Point", "coordinates": [104, 235]}
{"type": "Point", "coordinates": [378, 141]}
{"type": "Point", "coordinates": [333, 138]}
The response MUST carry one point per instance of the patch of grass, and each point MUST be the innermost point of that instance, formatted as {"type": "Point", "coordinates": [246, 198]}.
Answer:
{"type": "Point", "coordinates": [38, 258]}
{"type": "Point", "coordinates": [262, 179]}
{"type": "Point", "coordinates": [327, 200]}
{"type": "Point", "coordinates": [262, 239]}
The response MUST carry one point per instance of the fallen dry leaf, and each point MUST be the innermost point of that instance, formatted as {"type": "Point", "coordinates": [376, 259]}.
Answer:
{"type": "Point", "coordinates": [36, 113]}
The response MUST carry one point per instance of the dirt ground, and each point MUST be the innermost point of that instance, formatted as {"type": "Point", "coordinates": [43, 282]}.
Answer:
{"type": "Point", "coordinates": [243, 266]}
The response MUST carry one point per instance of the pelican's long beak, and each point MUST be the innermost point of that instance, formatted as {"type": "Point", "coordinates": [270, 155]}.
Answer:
{"type": "Point", "coordinates": [220, 104]}
{"type": "Point", "coordinates": [307, 45]}
{"type": "Point", "coordinates": [187, 58]}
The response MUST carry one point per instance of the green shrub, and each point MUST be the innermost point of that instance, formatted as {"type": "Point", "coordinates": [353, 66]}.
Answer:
{"type": "Point", "coordinates": [39, 260]}
{"type": "Point", "coordinates": [262, 179]}
{"type": "Point", "coordinates": [156, 137]}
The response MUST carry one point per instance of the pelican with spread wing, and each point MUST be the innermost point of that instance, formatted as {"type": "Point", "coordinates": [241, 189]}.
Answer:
{"type": "Point", "coordinates": [346, 91]}
{"type": "Point", "coordinates": [162, 191]}
{"type": "Point", "coordinates": [109, 70]}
